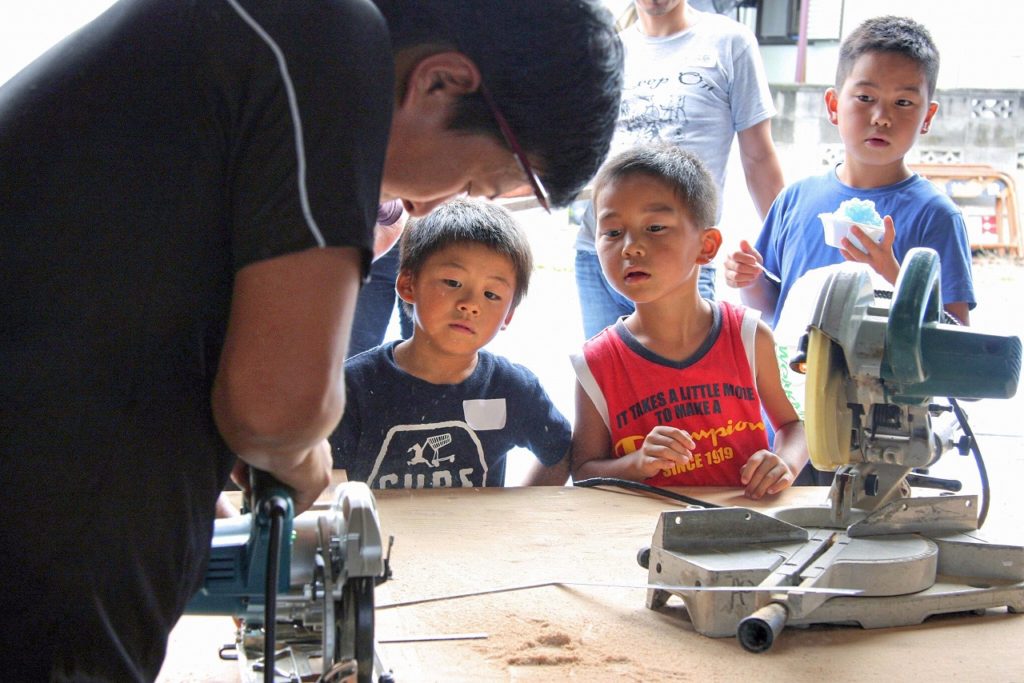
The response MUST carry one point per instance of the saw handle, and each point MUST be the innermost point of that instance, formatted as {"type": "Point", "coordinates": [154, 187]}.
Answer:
{"type": "Point", "coordinates": [924, 358]}
{"type": "Point", "coordinates": [266, 492]}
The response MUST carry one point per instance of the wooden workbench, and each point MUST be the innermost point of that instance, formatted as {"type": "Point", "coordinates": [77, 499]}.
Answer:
{"type": "Point", "coordinates": [451, 541]}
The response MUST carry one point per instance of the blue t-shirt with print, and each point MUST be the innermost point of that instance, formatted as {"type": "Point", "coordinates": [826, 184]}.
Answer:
{"type": "Point", "coordinates": [792, 240]}
{"type": "Point", "coordinates": [399, 431]}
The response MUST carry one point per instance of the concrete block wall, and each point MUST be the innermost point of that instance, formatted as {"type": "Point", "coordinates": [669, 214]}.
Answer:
{"type": "Point", "coordinates": [972, 126]}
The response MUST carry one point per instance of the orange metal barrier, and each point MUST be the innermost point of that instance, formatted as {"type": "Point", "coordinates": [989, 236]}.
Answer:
{"type": "Point", "coordinates": [964, 182]}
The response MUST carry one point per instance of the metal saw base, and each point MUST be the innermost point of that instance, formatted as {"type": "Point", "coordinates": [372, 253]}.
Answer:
{"type": "Point", "coordinates": [904, 572]}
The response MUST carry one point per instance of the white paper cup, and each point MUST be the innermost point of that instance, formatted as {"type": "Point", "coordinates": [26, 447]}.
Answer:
{"type": "Point", "coordinates": [838, 228]}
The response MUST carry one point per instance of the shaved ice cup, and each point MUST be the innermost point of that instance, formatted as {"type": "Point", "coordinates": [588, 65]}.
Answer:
{"type": "Point", "coordinates": [838, 227]}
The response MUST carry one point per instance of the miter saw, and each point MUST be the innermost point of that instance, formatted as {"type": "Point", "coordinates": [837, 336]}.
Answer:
{"type": "Point", "coordinates": [319, 569]}
{"type": "Point", "coordinates": [872, 370]}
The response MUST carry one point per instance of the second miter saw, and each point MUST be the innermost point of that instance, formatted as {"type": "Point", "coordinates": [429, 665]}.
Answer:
{"type": "Point", "coordinates": [301, 589]}
{"type": "Point", "coordinates": [873, 368]}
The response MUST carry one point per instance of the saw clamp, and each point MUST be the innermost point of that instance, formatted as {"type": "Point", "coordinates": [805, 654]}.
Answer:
{"type": "Point", "coordinates": [328, 562]}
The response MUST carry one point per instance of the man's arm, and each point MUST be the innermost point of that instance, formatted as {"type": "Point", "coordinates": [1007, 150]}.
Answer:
{"type": "Point", "coordinates": [385, 237]}
{"type": "Point", "coordinates": [279, 390]}
{"type": "Point", "coordinates": [760, 165]}
{"type": "Point", "coordinates": [386, 233]}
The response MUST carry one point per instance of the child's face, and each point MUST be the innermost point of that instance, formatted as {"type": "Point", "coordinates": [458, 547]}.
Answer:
{"type": "Point", "coordinates": [461, 297]}
{"type": "Point", "coordinates": [881, 109]}
{"type": "Point", "coordinates": [647, 242]}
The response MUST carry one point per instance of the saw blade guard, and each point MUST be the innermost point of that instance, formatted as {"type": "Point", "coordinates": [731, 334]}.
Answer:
{"type": "Point", "coordinates": [829, 422]}
{"type": "Point", "coordinates": [352, 522]}
{"type": "Point", "coordinates": [356, 522]}
{"type": "Point", "coordinates": [873, 369]}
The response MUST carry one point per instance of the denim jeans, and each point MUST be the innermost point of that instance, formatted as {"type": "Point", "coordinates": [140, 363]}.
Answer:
{"type": "Point", "coordinates": [374, 306]}
{"type": "Point", "coordinates": [601, 305]}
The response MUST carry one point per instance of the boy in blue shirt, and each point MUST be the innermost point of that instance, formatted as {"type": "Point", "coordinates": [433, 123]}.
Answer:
{"type": "Point", "coordinates": [881, 102]}
{"type": "Point", "coordinates": [436, 410]}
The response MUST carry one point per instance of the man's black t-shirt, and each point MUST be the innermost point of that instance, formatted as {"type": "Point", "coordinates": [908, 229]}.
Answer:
{"type": "Point", "coordinates": [143, 161]}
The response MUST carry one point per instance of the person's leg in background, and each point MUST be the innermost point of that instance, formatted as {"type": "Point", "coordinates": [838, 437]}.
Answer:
{"type": "Point", "coordinates": [404, 319]}
{"type": "Point", "coordinates": [706, 282]}
{"type": "Point", "coordinates": [375, 303]}
{"type": "Point", "coordinates": [600, 305]}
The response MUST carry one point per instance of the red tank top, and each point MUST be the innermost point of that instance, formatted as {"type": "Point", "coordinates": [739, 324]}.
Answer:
{"type": "Point", "coordinates": [712, 395]}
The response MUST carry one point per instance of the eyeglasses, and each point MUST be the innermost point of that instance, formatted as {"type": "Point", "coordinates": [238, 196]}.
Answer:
{"type": "Point", "coordinates": [510, 140]}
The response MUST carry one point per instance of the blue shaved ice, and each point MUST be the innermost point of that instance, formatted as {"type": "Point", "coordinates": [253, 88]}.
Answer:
{"type": "Point", "coordinates": [859, 211]}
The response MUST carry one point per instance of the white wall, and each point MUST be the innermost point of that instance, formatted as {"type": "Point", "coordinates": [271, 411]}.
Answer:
{"type": "Point", "coordinates": [27, 29]}
{"type": "Point", "coordinates": [980, 42]}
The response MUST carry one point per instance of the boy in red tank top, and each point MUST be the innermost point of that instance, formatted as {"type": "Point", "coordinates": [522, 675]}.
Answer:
{"type": "Point", "coordinates": [672, 394]}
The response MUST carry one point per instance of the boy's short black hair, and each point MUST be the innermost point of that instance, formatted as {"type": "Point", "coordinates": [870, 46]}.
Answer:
{"type": "Point", "coordinates": [678, 169]}
{"type": "Point", "coordinates": [474, 221]}
{"type": "Point", "coordinates": [898, 35]}
{"type": "Point", "coordinates": [553, 67]}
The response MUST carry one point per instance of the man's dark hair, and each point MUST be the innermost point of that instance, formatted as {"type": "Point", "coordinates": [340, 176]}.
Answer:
{"type": "Point", "coordinates": [469, 221]}
{"type": "Point", "coordinates": [678, 169]}
{"type": "Point", "coordinates": [554, 68]}
{"type": "Point", "coordinates": [898, 35]}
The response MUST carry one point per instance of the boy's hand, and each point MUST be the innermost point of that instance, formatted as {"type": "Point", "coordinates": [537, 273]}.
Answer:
{"type": "Point", "coordinates": [664, 448]}
{"type": "Point", "coordinates": [879, 256]}
{"type": "Point", "coordinates": [743, 267]}
{"type": "Point", "coordinates": [765, 473]}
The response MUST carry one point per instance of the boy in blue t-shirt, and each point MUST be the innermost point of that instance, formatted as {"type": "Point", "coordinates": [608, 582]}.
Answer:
{"type": "Point", "coordinates": [436, 410]}
{"type": "Point", "coordinates": [881, 102]}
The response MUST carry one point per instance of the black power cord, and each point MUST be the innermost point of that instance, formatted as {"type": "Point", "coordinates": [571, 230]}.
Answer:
{"type": "Point", "coordinates": [275, 508]}
{"type": "Point", "coordinates": [646, 488]}
{"type": "Point", "coordinates": [986, 495]}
